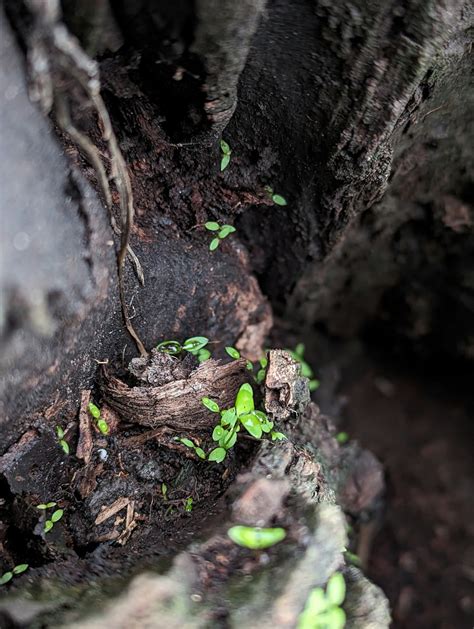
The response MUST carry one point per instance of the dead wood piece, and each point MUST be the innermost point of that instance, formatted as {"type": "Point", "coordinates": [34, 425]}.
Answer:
{"type": "Point", "coordinates": [177, 404]}
{"type": "Point", "coordinates": [286, 391]}
{"type": "Point", "coordinates": [85, 441]}
{"type": "Point", "coordinates": [107, 512]}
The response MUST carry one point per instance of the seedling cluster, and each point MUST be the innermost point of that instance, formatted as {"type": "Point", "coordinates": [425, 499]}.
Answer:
{"type": "Point", "coordinates": [101, 423]}
{"type": "Point", "coordinates": [276, 198]}
{"type": "Point", "coordinates": [55, 516]}
{"type": "Point", "coordinates": [242, 414]}
{"type": "Point", "coordinates": [306, 370]}
{"type": "Point", "coordinates": [220, 232]}
{"type": "Point", "coordinates": [226, 153]}
{"type": "Point", "coordinates": [8, 576]}
{"type": "Point", "coordinates": [194, 345]}
{"type": "Point", "coordinates": [256, 538]}
{"type": "Point", "coordinates": [322, 610]}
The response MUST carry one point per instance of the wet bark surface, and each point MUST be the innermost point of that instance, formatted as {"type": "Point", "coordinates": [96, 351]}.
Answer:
{"type": "Point", "coordinates": [352, 112]}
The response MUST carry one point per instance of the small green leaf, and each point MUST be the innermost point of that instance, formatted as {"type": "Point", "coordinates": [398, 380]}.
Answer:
{"type": "Point", "coordinates": [336, 589]}
{"type": "Point", "coordinates": [164, 491]}
{"type": "Point", "coordinates": [200, 452]}
{"type": "Point", "coordinates": [260, 377]}
{"type": "Point", "coordinates": [103, 426]}
{"type": "Point", "coordinates": [228, 417]}
{"type": "Point", "coordinates": [225, 148]}
{"type": "Point", "coordinates": [214, 244]}
{"type": "Point", "coordinates": [195, 343]}
{"type": "Point", "coordinates": [335, 618]}
{"type": "Point", "coordinates": [251, 425]}
{"type": "Point", "coordinates": [94, 410]}
{"type": "Point", "coordinates": [256, 538]}
{"type": "Point", "coordinates": [212, 226]}
{"type": "Point", "coordinates": [57, 515]}
{"type": "Point", "coordinates": [263, 362]}
{"type": "Point", "coordinates": [278, 199]}
{"type": "Point", "coordinates": [233, 353]}
{"type": "Point", "coordinates": [203, 355]}
{"type": "Point", "coordinates": [299, 350]}
{"type": "Point", "coordinates": [316, 603]}
{"type": "Point", "coordinates": [65, 446]}
{"type": "Point", "coordinates": [313, 385]}
{"type": "Point", "coordinates": [42, 506]}
{"type": "Point", "coordinates": [59, 432]}
{"type": "Point", "coordinates": [249, 365]}
{"type": "Point", "coordinates": [50, 504]}
{"type": "Point", "coordinates": [267, 426]}
{"type": "Point", "coordinates": [169, 347]}
{"type": "Point", "coordinates": [210, 404]}
{"type": "Point", "coordinates": [225, 231]}
{"type": "Point", "coordinates": [48, 525]}
{"type": "Point", "coordinates": [20, 568]}
{"type": "Point", "coordinates": [218, 433]}
{"type": "Point", "coordinates": [5, 578]}
{"type": "Point", "coordinates": [228, 441]}
{"type": "Point", "coordinates": [244, 401]}
{"type": "Point", "coordinates": [225, 162]}
{"type": "Point", "coordinates": [187, 442]}
{"type": "Point", "coordinates": [277, 436]}
{"type": "Point", "coordinates": [342, 437]}
{"type": "Point", "coordinates": [188, 505]}
{"type": "Point", "coordinates": [217, 455]}
{"type": "Point", "coordinates": [268, 189]}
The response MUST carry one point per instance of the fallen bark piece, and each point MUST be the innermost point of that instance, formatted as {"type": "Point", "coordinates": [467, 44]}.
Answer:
{"type": "Point", "coordinates": [177, 404]}
{"type": "Point", "coordinates": [107, 512]}
{"type": "Point", "coordinates": [286, 391]}
{"type": "Point", "coordinates": [85, 441]}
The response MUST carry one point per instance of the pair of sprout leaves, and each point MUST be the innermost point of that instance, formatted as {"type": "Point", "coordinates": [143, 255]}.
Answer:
{"type": "Point", "coordinates": [194, 345]}
{"type": "Point", "coordinates": [55, 516]}
{"type": "Point", "coordinates": [322, 610]}
{"type": "Point", "coordinates": [101, 423]}
{"type": "Point", "coordinates": [8, 576]}
{"type": "Point", "coordinates": [242, 414]}
{"type": "Point", "coordinates": [221, 232]}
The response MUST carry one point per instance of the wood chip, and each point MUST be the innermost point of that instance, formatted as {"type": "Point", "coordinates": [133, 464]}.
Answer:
{"type": "Point", "coordinates": [85, 441]}
{"type": "Point", "coordinates": [107, 512]}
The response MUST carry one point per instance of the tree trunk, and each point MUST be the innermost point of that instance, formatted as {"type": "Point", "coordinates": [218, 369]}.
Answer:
{"type": "Point", "coordinates": [356, 113]}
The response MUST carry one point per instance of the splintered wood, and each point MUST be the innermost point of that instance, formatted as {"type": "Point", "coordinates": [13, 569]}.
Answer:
{"type": "Point", "coordinates": [177, 404]}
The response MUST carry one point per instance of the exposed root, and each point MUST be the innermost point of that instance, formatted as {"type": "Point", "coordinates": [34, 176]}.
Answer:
{"type": "Point", "coordinates": [55, 58]}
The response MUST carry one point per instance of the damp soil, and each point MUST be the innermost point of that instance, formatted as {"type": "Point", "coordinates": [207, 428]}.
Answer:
{"type": "Point", "coordinates": [418, 422]}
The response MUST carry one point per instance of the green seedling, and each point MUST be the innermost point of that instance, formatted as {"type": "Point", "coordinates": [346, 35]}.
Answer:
{"type": "Point", "coordinates": [101, 423]}
{"type": "Point", "coordinates": [62, 442]}
{"type": "Point", "coordinates": [226, 153]}
{"type": "Point", "coordinates": [322, 610]}
{"type": "Point", "coordinates": [233, 353]}
{"type": "Point", "coordinates": [164, 491]}
{"type": "Point", "coordinates": [306, 370]}
{"type": "Point", "coordinates": [47, 505]}
{"type": "Point", "coordinates": [352, 558]}
{"type": "Point", "coordinates": [242, 415]}
{"type": "Point", "coordinates": [8, 576]}
{"type": "Point", "coordinates": [342, 437]}
{"type": "Point", "coordinates": [188, 505]}
{"type": "Point", "coordinates": [219, 231]}
{"type": "Point", "coordinates": [194, 345]}
{"type": "Point", "coordinates": [55, 517]}
{"type": "Point", "coordinates": [256, 538]}
{"type": "Point", "coordinates": [190, 444]}
{"type": "Point", "coordinates": [262, 372]}
{"type": "Point", "coordinates": [276, 198]}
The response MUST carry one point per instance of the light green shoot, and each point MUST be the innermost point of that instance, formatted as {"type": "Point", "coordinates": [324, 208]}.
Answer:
{"type": "Point", "coordinates": [256, 538]}
{"type": "Point", "coordinates": [226, 153]}
{"type": "Point", "coordinates": [323, 608]}
{"type": "Point", "coordinates": [220, 232]}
